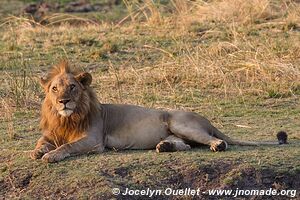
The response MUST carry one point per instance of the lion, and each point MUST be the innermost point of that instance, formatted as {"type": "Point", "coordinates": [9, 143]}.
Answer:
{"type": "Point", "coordinates": [74, 122]}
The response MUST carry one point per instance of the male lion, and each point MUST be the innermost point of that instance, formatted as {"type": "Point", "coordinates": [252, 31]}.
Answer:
{"type": "Point", "coordinates": [74, 122]}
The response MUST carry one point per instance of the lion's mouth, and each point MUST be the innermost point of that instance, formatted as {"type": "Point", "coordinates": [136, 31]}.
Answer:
{"type": "Point", "coordinates": [65, 112]}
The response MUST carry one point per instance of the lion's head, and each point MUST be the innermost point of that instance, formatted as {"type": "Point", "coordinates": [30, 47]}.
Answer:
{"type": "Point", "coordinates": [69, 100]}
{"type": "Point", "coordinates": [65, 89]}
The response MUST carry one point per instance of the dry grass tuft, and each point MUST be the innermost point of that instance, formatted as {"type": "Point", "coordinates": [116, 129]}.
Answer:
{"type": "Point", "coordinates": [7, 118]}
{"type": "Point", "coordinates": [241, 11]}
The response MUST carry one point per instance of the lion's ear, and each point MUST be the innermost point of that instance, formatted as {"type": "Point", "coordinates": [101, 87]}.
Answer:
{"type": "Point", "coordinates": [44, 83]}
{"type": "Point", "coordinates": [84, 78]}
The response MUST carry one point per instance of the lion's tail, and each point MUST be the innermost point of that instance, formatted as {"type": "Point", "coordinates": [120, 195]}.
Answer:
{"type": "Point", "coordinates": [231, 141]}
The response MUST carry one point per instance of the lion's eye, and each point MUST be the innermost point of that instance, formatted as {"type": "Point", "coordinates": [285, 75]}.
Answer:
{"type": "Point", "coordinates": [54, 89]}
{"type": "Point", "coordinates": [72, 86]}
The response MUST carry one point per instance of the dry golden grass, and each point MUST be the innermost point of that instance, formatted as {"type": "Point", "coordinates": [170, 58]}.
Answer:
{"type": "Point", "coordinates": [240, 11]}
{"type": "Point", "coordinates": [223, 47]}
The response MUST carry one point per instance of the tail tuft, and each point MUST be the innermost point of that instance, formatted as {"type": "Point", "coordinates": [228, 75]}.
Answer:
{"type": "Point", "coordinates": [282, 137]}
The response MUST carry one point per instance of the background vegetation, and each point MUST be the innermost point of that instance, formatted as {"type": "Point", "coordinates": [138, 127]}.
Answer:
{"type": "Point", "coordinates": [237, 62]}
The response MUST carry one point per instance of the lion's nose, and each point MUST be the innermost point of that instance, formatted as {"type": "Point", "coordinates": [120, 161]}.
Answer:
{"type": "Point", "coordinates": [64, 101]}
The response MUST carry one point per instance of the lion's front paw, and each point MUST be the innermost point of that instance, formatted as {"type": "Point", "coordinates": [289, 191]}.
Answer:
{"type": "Point", "coordinates": [54, 156]}
{"type": "Point", "coordinates": [36, 154]}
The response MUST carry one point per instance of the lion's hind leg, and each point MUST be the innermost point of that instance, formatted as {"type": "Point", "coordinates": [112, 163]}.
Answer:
{"type": "Point", "coordinates": [171, 144]}
{"type": "Point", "coordinates": [192, 127]}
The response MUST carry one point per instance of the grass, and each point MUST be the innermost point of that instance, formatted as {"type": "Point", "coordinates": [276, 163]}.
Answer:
{"type": "Point", "coordinates": [235, 62]}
